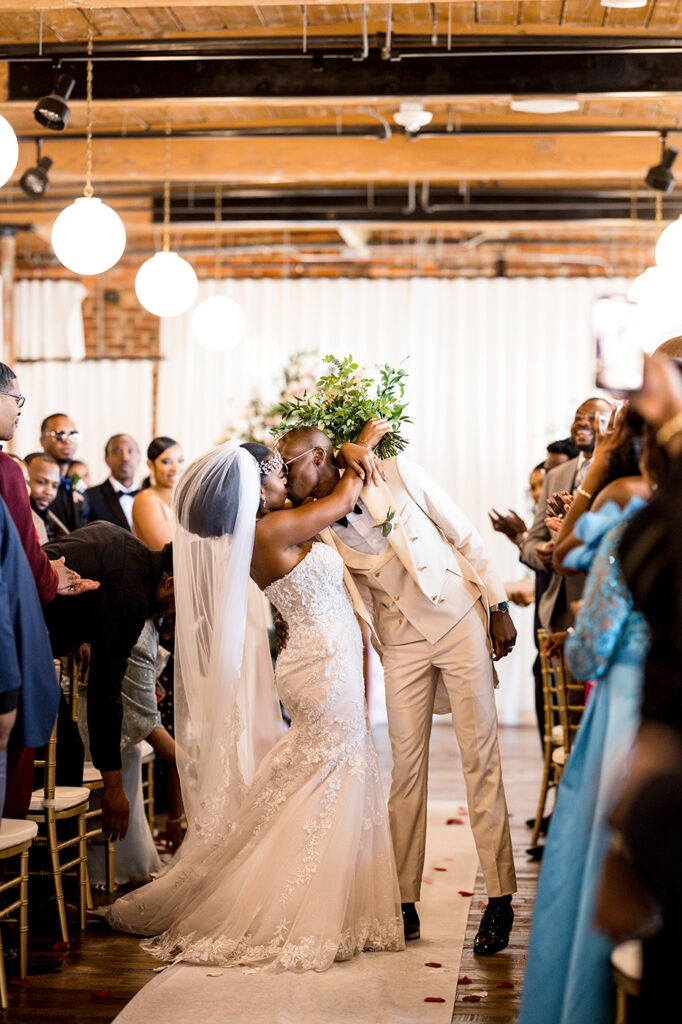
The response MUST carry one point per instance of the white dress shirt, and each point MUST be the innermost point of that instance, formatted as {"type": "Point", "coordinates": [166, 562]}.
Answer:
{"type": "Point", "coordinates": [362, 533]}
{"type": "Point", "coordinates": [127, 498]}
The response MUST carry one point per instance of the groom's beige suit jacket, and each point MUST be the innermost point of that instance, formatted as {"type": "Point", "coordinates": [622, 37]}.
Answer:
{"type": "Point", "coordinates": [441, 567]}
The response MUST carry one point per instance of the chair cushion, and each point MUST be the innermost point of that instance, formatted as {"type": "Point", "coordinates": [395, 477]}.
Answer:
{"type": "Point", "coordinates": [627, 959]}
{"type": "Point", "coordinates": [90, 773]}
{"type": "Point", "coordinates": [147, 751]}
{"type": "Point", "coordinates": [14, 831]}
{"type": "Point", "coordinates": [559, 756]}
{"type": "Point", "coordinates": [65, 797]}
{"type": "Point", "coordinates": [557, 735]}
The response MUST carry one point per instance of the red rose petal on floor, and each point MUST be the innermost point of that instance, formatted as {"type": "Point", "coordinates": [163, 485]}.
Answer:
{"type": "Point", "coordinates": [434, 999]}
{"type": "Point", "coordinates": [429, 881]}
{"type": "Point", "coordinates": [432, 964]}
{"type": "Point", "coordinates": [454, 821]}
{"type": "Point", "coordinates": [471, 999]}
{"type": "Point", "coordinates": [16, 981]}
{"type": "Point", "coordinates": [440, 869]}
{"type": "Point", "coordinates": [506, 984]}
{"type": "Point", "coordinates": [464, 981]}
{"type": "Point", "coordinates": [449, 859]}
{"type": "Point", "coordinates": [58, 946]}
{"type": "Point", "coordinates": [463, 892]}
{"type": "Point", "coordinates": [102, 993]}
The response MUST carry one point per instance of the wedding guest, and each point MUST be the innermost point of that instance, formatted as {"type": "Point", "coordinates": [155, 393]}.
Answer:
{"type": "Point", "coordinates": [50, 578]}
{"type": "Point", "coordinates": [641, 893]}
{"type": "Point", "coordinates": [568, 976]}
{"type": "Point", "coordinates": [554, 608]}
{"type": "Point", "coordinates": [80, 473]}
{"type": "Point", "coordinates": [134, 585]}
{"type": "Point", "coordinates": [152, 506]}
{"type": "Point", "coordinates": [112, 500]}
{"type": "Point", "coordinates": [59, 437]}
{"type": "Point", "coordinates": [513, 527]}
{"type": "Point", "coordinates": [21, 463]}
{"type": "Point", "coordinates": [43, 484]}
{"type": "Point", "coordinates": [29, 692]}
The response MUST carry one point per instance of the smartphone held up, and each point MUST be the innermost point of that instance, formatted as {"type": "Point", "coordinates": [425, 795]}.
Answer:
{"type": "Point", "coordinates": [617, 329]}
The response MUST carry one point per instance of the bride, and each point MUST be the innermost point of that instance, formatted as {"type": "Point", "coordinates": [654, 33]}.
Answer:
{"type": "Point", "coordinates": [296, 869]}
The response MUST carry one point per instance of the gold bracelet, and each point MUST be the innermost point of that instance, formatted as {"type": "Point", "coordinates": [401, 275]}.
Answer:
{"type": "Point", "coordinates": [669, 429]}
{"type": "Point", "coordinates": [585, 494]}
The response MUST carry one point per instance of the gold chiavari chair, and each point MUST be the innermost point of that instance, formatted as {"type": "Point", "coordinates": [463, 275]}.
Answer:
{"type": "Point", "coordinates": [553, 735]}
{"type": "Point", "coordinates": [50, 805]}
{"type": "Point", "coordinates": [15, 839]}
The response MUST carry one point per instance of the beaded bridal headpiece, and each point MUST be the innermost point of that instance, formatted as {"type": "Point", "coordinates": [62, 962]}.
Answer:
{"type": "Point", "coordinates": [272, 464]}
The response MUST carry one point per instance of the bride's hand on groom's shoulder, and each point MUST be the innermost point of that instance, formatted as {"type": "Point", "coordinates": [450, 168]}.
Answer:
{"type": "Point", "coordinates": [362, 461]}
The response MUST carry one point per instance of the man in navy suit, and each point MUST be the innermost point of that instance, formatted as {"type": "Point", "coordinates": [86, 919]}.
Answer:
{"type": "Point", "coordinates": [29, 692]}
{"type": "Point", "coordinates": [112, 501]}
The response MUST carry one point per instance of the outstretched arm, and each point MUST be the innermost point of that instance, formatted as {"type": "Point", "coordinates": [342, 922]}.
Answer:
{"type": "Point", "coordinates": [292, 526]}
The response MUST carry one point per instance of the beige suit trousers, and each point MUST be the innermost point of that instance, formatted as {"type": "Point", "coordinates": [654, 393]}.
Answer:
{"type": "Point", "coordinates": [462, 660]}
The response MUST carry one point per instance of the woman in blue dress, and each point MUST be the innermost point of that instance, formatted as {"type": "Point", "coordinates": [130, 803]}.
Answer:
{"type": "Point", "coordinates": [568, 978]}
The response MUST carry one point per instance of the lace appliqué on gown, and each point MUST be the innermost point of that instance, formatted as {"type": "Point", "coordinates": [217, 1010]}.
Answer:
{"type": "Point", "coordinates": [305, 874]}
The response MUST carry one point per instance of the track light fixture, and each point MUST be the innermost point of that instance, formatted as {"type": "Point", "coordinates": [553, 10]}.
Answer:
{"type": "Point", "coordinates": [53, 111]}
{"type": "Point", "coordinates": [34, 181]}
{"type": "Point", "coordinates": [660, 177]}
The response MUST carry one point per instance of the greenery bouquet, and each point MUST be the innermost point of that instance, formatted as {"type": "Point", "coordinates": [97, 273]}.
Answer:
{"type": "Point", "coordinates": [344, 399]}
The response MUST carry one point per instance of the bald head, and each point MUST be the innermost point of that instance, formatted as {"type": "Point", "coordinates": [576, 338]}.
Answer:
{"type": "Point", "coordinates": [298, 440]}
{"type": "Point", "coordinates": [309, 459]}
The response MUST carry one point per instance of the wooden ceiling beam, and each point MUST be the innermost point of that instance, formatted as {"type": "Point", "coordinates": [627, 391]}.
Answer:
{"type": "Point", "coordinates": [570, 158]}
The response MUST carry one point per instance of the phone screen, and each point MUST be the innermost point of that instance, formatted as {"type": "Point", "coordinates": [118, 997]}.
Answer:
{"type": "Point", "coordinates": [616, 326]}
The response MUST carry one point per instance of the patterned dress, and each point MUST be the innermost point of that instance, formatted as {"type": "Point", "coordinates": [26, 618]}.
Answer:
{"type": "Point", "coordinates": [305, 873]}
{"type": "Point", "coordinates": [568, 975]}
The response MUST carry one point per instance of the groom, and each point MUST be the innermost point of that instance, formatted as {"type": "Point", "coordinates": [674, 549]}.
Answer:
{"type": "Point", "coordinates": [418, 573]}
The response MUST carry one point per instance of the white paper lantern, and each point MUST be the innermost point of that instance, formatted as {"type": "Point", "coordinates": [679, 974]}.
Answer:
{"type": "Point", "coordinates": [166, 284]}
{"type": "Point", "coordinates": [669, 248]}
{"type": "Point", "coordinates": [218, 323]}
{"type": "Point", "coordinates": [9, 150]}
{"type": "Point", "coordinates": [88, 237]}
{"type": "Point", "coordinates": [648, 287]}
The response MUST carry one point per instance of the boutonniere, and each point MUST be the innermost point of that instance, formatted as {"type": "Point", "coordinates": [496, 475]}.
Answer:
{"type": "Point", "coordinates": [78, 486]}
{"type": "Point", "coordinates": [387, 524]}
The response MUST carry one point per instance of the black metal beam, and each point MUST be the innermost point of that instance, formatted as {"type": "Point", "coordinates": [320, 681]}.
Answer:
{"type": "Point", "coordinates": [401, 205]}
{"type": "Point", "coordinates": [318, 76]}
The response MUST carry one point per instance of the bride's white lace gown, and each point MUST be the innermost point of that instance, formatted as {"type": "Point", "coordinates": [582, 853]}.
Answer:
{"type": "Point", "coordinates": [305, 873]}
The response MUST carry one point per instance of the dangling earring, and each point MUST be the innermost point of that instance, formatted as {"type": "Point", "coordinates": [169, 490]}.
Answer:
{"type": "Point", "coordinates": [263, 504]}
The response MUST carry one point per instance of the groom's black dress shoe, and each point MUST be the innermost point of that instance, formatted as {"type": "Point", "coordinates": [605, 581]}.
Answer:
{"type": "Point", "coordinates": [496, 924]}
{"type": "Point", "coordinates": [410, 922]}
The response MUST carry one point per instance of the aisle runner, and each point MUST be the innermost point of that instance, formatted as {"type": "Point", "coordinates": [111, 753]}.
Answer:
{"type": "Point", "coordinates": [375, 988]}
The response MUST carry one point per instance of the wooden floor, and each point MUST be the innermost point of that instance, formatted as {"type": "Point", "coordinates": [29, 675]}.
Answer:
{"type": "Point", "coordinates": [104, 970]}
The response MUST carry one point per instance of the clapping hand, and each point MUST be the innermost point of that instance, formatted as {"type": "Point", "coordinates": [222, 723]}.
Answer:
{"type": "Point", "coordinates": [558, 504]}
{"type": "Point", "coordinates": [554, 524]}
{"type": "Point", "coordinates": [511, 524]}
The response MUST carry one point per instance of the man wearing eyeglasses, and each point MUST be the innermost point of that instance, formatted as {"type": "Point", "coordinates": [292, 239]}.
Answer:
{"type": "Point", "coordinates": [59, 437]}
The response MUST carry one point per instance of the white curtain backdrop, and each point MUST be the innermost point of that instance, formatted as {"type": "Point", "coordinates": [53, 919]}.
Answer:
{"type": "Point", "coordinates": [496, 368]}
{"type": "Point", "coordinates": [49, 320]}
{"type": "Point", "coordinates": [102, 396]}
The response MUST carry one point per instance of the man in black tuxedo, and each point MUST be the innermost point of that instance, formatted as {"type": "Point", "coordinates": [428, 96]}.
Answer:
{"type": "Point", "coordinates": [112, 501]}
{"type": "Point", "coordinates": [135, 584]}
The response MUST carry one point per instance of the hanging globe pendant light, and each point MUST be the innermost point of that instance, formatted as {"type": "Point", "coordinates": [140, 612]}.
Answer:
{"type": "Point", "coordinates": [218, 323]}
{"type": "Point", "coordinates": [9, 150]}
{"type": "Point", "coordinates": [166, 284]}
{"type": "Point", "coordinates": [88, 237]}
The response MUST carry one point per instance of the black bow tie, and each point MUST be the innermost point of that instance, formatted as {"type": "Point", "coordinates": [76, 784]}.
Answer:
{"type": "Point", "coordinates": [343, 521]}
{"type": "Point", "coordinates": [128, 494]}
